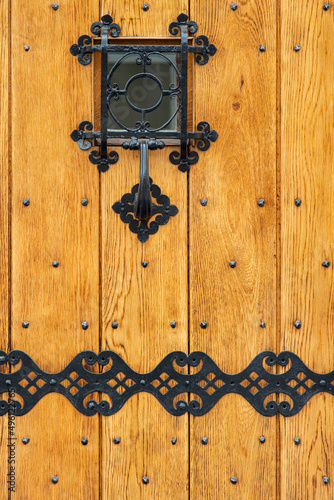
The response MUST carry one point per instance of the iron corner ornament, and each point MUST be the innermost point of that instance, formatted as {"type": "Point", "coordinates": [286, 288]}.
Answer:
{"type": "Point", "coordinates": [165, 382]}
{"type": "Point", "coordinates": [142, 131]}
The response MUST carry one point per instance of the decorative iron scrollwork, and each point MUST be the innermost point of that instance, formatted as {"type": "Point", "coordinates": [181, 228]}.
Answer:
{"type": "Point", "coordinates": [113, 92]}
{"type": "Point", "coordinates": [166, 383]}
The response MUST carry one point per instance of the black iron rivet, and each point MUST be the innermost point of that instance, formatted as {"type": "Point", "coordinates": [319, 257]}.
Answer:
{"type": "Point", "coordinates": [174, 441]}
{"type": "Point", "coordinates": [326, 6]}
{"type": "Point", "coordinates": [234, 6]}
{"type": "Point", "coordinates": [26, 202]}
{"type": "Point", "coordinates": [84, 325]}
{"type": "Point", "coordinates": [182, 406]}
{"type": "Point", "coordinates": [298, 324]}
{"type": "Point", "coordinates": [297, 441]}
{"type": "Point", "coordinates": [261, 202]}
{"type": "Point", "coordinates": [322, 383]}
{"type": "Point", "coordinates": [232, 263]}
{"type": "Point", "coordinates": [146, 480]}
{"type": "Point", "coordinates": [84, 441]}
{"type": "Point", "coordinates": [326, 480]}
{"type": "Point", "coordinates": [173, 324]}
{"type": "Point", "coordinates": [234, 480]}
{"type": "Point", "coordinates": [25, 324]}
{"type": "Point", "coordinates": [84, 202]}
{"type": "Point", "coordinates": [55, 6]}
{"type": "Point", "coordinates": [262, 324]}
{"type": "Point", "coordinates": [53, 382]}
{"type": "Point", "coordinates": [204, 202]}
{"type": "Point", "coordinates": [203, 324]}
{"type": "Point", "coordinates": [326, 263]}
{"type": "Point", "coordinates": [25, 440]}
{"type": "Point", "coordinates": [262, 48]}
{"type": "Point", "coordinates": [142, 382]}
{"type": "Point", "coordinates": [55, 263]}
{"type": "Point", "coordinates": [91, 405]}
{"type": "Point", "coordinates": [297, 48]}
{"type": "Point", "coordinates": [298, 202]}
{"type": "Point", "coordinates": [144, 263]}
{"type": "Point", "coordinates": [117, 440]}
{"type": "Point", "coordinates": [8, 382]}
{"type": "Point", "coordinates": [186, 382]}
{"type": "Point", "coordinates": [204, 440]}
{"type": "Point", "coordinates": [145, 7]}
{"type": "Point", "coordinates": [54, 479]}
{"type": "Point", "coordinates": [26, 48]}
{"type": "Point", "coordinates": [114, 325]}
{"type": "Point", "coordinates": [262, 439]}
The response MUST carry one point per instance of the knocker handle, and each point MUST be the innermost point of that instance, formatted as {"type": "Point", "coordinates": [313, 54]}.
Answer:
{"type": "Point", "coordinates": [143, 201]}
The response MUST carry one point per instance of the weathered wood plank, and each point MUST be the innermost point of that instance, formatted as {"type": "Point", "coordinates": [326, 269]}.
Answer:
{"type": "Point", "coordinates": [307, 235]}
{"type": "Point", "coordinates": [236, 93]}
{"type": "Point", "coordinates": [144, 301]}
{"type": "Point", "coordinates": [51, 95]}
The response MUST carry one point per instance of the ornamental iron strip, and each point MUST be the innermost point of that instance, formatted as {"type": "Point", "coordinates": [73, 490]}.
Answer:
{"type": "Point", "coordinates": [137, 210]}
{"type": "Point", "coordinates": [165, 383]}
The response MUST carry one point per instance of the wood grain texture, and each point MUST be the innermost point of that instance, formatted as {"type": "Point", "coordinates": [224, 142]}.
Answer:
{"type": "Point", "coordinates": [51, 95]}
{"type": "Point", "coordinates": [307, 234]}
{"type": "Point", "coordinates": [4, 220]}
{"type": "Point", "coordinates": [235, 92]}
{"type": "Point", "coordinates": [144, 301]}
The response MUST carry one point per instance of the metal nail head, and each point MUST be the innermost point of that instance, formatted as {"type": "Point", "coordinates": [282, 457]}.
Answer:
{"type": "Point", "coordinates": [84, 441]}
{"type": "Point", "coordinates": [55, 263]}
{"type": "Point", "coordinates": [26, 202]}
{"type": "Point", "coordinates": [114, 325]}
{"type": "Point", "coordinates": [204, 202]}
{"type": "Point", "coordinates": [84, 202]}
{"type": "Point", "coordinates": [144, 263]}
{"type": "Point", "coordinates": [26, 48]}
{"type": "Point", "coordinates": [146, 480]}
{"type": "Point", "coordinates": [234, 6]}
{"type": "Point", "coordinates": [25, 324]}
{"type": "Point", "coordinates": [174, 441]}
{"type": "Point", "coordinates": [298, 325]}
{"type": "Point", "coordinates": [117, 440]}
{"type": "Point", "coordinates": [55, 6]}
{"type": "Point", "coordinates": [326, 480]}
{"type": "Point", "coordinates": [145, 7]}
{"type": "Point", "coordinates": [203, 324]}
{"type": "Point", "coordinates": [298, 202]}
{"type": "Point", "coordinates": [204, 440]}
{"type": "Point", "coordinates": [326, 263]}
{"type": "Point", "coordinates": [25, 440]}
{"type": "Point", "coordinates": [297, 441]}
{"type": "Point", "coordinates": [84, 325]}
{"type": "Point", "coordinates": [54, 479]}
{"type": "Point", "coordinates": [234, 480]}
{"type": "Point", "coordinates": [262, 439]}
{"type": "Point", "coordinates": [297, 48]}
{"type": "Point", "coordinates": [262, 324]}
{"type": "Point", "coordinates": [173, 324]}
{"type": "Point", "coordinates": [326, 6]}
{"type": "Point", "coordinates": [232, 264]}
{"type": "Point", "coordinates": [262, 48]}
{"type": "Point", "coordinates": [261, 202]}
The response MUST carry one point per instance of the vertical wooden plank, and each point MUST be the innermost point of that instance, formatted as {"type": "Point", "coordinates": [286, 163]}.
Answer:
{"type": "Point", "coordinates": [4, 222]}
{"type": "Point", "coordinates": [51, 95]}
{"type": "Point", "coordinates": [236, 94]}
{"type": "Point", "coordinates": [307, 235]}
{"type": "Point", "coordinates": [144, 301]}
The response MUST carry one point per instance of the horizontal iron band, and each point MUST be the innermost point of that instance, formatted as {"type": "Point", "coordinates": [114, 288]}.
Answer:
{"type": "Point", "coordinates": [164, 382]}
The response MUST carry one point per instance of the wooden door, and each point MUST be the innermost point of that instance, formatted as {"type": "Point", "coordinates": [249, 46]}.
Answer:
{"type": "Point", "coordinates": [231, 276]}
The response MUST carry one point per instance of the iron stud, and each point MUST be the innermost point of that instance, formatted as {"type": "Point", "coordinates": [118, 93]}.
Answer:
{"type": "Point", "coordinates": [91, 405]}
{"type": "Point", "coordinates": [146, 480]}
{"type": "Point", "coordinates": [326, 480]}
{"type": "Point", "coordinates": [117, 440]}
{"type": "Point", "coordinates": [262, 324]}
{"type": "Point", "coordinates": [144, 263]}
{"type": "Point", "coordinates": [261, 202]}
{"type": "Point", "coordinates": [114, 325]}
{"type": "Point", "coordinates": [54, 479]}
{"type": "Point", "coordinates": [234, 480]}
{"type": "Point", "coordinates": [326, 263]}
{"type": "Point", "coordinates": [26, 48]}
{"type": "Point", "coordinates": [55, 6]}
{"type": "Point", "coordinates": [262, 439]}
{"type": "Point", "coordinates": [53, 382]}
{"type": "Point", "coordinates": [203, 324]}
{"type": "Point", "coordinates": [25, 440]}
{"type": "Point", "coordinates": [174, 441]}
{"type": "Point", "coordinates": [326, 6]}
{"type": "Point", "coordinates": [298, 325]}
{"type": "Point", "coordinates": [142, 382]}
{"type": "Point", "coordinates": [84, 202]}
{"type": "Point", "coordinates": [25, 324]}
{"type": "Point", "coordinates": [26, 202]}
{"type": "Point", "coordinates": [204, 440]}
{"type": "Point", "coordinates": [297, 48]}
{"type": "Point", "coordinates": [232, 263]}
{"type": "Point", "coordinates": [84, 441]}
{"type": "Point", "coordinates": [173, 324]}
{"type": "Point", "coordinates": [322, 383]}
{"type": "Point", "coordinates": [182, 406]}
{"type": "Point", "coordinates": [84, 325]}
{"type": "Point", "coordinates": [297, 441]}
{"type": "Point", "coordinates": [55, 263]}
{"type": "Point", "coordinates": [145, 7]}
{"type": "Point", "coordinates": [204, 202]}
{"type": "Point", "coordinates": [298, 202]}
{"type": "Point", "coordinates": [8, 382]}
{"type": "Point", "coordinates": [262, 48]}
{"type": "Point", "coordinates": [234, 6]}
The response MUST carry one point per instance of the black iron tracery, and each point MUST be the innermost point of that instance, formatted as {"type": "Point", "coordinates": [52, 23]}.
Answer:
{"type": "Point", "coordinates": [142, 130]}
{"type": "Point", "coordinates": [165, 383]}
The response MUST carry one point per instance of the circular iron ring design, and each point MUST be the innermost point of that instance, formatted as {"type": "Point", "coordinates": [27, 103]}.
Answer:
{"type": "Point", "coordinates": [136, 77]}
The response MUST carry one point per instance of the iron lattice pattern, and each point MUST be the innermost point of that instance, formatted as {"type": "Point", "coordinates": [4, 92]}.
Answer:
{"type": "Point", "coordinates": [166, 383]}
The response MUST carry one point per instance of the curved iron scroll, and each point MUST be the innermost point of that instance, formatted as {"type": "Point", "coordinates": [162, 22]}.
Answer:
{"type": "Point", "coordinates": [112, 90]}
{"type": "Point", "coordinates": [165, 382]}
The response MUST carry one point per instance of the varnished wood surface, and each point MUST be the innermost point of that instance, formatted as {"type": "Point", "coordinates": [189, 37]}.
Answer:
{"type": "Point", "coordinates": [307, 236]}
{"type": "Point", "coordinates": [51, 95]}
{"type": "Point", "coordinates": [235, 92]}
